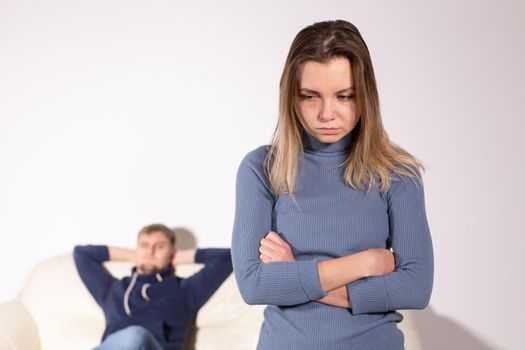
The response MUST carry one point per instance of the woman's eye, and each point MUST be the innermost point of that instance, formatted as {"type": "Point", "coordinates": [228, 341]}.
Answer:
{"type": "Point", "coordinates": [346, 97]}
{"type": "Point", "coordinates": [306, 97]}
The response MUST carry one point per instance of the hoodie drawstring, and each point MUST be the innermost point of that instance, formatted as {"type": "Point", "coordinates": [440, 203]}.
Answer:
{"type": "Point", "coordinates": [159, 277]}
{"type": "Point", "coordinates": [128, 291]}
{"type": "Point", "coordinates": [144, 291]}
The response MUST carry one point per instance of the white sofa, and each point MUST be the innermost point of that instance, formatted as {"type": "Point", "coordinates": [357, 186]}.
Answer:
{"type": "Point", "coordinates": [54, 311]}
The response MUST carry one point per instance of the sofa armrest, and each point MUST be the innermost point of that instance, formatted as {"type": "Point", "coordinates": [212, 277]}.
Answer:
{"type": "Point", "coordinates": [409, 328]}
{"type": "Point", "coordinates": [17, 328]}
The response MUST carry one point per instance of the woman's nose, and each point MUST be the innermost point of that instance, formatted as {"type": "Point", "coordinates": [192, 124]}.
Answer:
{"type": "Point", "coordinates": [327, 111]}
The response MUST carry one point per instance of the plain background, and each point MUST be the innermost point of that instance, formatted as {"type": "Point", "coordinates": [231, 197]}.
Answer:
{"type": "Point", "coordinates": [117, 114]}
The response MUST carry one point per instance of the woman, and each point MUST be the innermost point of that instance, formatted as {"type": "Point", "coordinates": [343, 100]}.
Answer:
{"type": "Point", "coordinates": [319, 211]}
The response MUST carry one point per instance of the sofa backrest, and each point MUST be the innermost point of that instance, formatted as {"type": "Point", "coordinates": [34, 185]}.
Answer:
{"type": "Point", "coordinates": [67, 317]}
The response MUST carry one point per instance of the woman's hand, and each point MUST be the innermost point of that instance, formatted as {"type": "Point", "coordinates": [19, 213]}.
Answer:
{"type": "Point", "coordinates": [370, 262]}
{"type": "Point", "coordinates": [335, 273]}
{"type": "Point", "coordinates": [377, 261]}
{"type": "Point", "coordinates": [273, 249]}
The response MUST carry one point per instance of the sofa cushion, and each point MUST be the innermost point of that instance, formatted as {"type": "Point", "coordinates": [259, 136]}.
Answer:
{"type": "Point", "coordinates": [68, 317]}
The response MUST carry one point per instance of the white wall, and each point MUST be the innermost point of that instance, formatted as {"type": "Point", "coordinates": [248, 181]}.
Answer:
{"type": "Point", "coordinates": [116, 114]}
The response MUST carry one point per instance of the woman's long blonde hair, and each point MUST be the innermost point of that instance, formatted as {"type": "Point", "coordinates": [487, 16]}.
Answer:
{"type": "Point", "coordinates": [373, 158]}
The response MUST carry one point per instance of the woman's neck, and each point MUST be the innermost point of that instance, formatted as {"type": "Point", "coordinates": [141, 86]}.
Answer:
{"type": "Point", "coordinates": [312, 144]}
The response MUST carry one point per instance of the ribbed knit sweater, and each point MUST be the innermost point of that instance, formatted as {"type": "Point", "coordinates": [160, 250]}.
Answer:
{"type": "Point", "coordinates": [327, 219]}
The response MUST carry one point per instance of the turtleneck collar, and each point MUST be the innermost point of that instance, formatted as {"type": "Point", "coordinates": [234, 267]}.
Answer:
{"type": "Point", "coordinates": [311, 144]}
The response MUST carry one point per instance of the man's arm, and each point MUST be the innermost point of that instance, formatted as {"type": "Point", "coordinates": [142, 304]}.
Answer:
{"type": "Point", "coordinates": [121, 254]}
{"type": "Point", "coordinates": [186, 256]}
{"type": "Point", "coordinates": [201, 286]}
{"type": "Point", "coordinates": [89, 261]}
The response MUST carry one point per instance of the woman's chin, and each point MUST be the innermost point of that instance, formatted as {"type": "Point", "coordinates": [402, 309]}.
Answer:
{"type": "Point", "coordinates": [329, 138]}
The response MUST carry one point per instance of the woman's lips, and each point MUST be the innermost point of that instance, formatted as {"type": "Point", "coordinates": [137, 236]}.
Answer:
{"type": "Point", "coordinates": [329, 131]}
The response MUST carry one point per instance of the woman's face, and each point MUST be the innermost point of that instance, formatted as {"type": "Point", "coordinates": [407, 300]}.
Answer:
{"type": "Point", "coordinates": [326, 103]}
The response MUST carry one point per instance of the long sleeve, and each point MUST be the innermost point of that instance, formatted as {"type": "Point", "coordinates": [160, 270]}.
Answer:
{"type": "Point", "coordinates": [89, 261]}
{"type": "Point", "coordinates": [201, 286]}
{"type": "Point", "coordinates": [282, 283]}
{"type": "Point", "coordinates": [410, 285]}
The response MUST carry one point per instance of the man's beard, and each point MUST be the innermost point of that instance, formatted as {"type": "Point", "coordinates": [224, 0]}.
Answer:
{"type": "Point", "coordinates": [147, 269]}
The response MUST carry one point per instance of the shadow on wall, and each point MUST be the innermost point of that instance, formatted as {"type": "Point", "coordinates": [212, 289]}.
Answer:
{"type": "Point", "coordinates": [440, 332]}
{"type": "Point", "coordinates": [185, 239]}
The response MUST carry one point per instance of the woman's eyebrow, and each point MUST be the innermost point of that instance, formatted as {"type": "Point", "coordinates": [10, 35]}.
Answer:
{"type": "Point", "coordinates": [309, 91]}
{"type": "Point", "coordinates": [349, 89]}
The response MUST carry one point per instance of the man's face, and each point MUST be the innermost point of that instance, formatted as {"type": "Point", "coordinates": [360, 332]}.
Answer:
{"type": "Point", "coordinates": [154, 252]}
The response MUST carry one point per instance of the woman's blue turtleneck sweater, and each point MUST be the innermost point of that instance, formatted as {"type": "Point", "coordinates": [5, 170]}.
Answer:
{"type": "Point", "coordinates": [328, 220]}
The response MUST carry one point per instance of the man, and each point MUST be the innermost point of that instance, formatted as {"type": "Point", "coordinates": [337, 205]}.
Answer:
{"type": "Point", "coordinates": [152, 309]}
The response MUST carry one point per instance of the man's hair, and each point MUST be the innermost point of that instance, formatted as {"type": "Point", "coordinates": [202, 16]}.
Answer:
{"type": "Point", "coordinates": [165, 230]}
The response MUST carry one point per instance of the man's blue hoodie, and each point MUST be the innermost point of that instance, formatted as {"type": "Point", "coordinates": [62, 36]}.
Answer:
{"type": "Point", "coordinates": [163, 303]}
